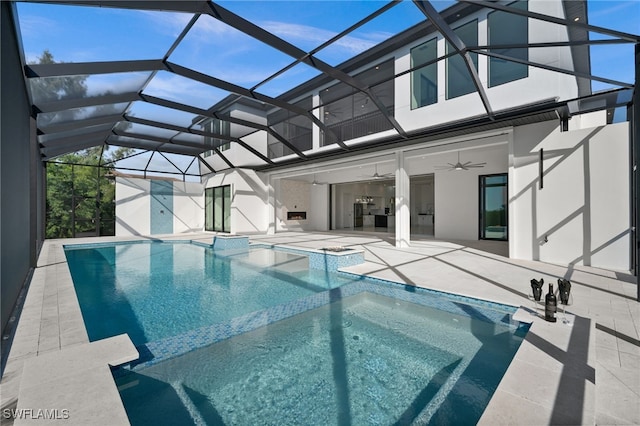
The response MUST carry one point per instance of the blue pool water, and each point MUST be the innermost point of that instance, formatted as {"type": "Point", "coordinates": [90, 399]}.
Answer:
{"type": "Point", "coordinates": [156, 290]}
{"type": "Point", "coordinates": [365, 359]}
{"type": "Point", "coordinates": [255, 337]}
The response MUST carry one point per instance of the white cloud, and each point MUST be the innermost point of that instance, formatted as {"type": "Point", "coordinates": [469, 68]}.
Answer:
{"type": "Point", "coordinates": [34, 25]}
{"type": "Point", "coordinates": [183, 90]}
{"type": "Point", "coordinates": [615, 8]}
{"type": "Point", "coordinates": [166, 22]}
{"type": "Point", "coordinates": [298, 34]}
{"type": "Point", "coordinates": [103, 83]}
{"type": "Point", "coordinates": [289, 31]}
{"type": "Point", "coordinates": [207, 27]}
{"type": "Point", "coordinates": [173, 23]}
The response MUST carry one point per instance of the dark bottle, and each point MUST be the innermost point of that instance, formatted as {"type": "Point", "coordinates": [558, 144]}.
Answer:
{"type": "Point", "coordinates": [550, 305]}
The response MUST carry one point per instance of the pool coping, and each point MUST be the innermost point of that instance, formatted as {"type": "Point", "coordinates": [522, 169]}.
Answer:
{"type": "Point", "coordinates": [530, 389]}
{"type": "Point", "coordinates": [161, 350]}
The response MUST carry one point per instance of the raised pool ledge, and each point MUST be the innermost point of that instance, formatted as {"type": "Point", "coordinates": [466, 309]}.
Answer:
{"type": "Point", "coordinates": [330, 258]}
{"type": "Point", "coordinates": [227, 242]}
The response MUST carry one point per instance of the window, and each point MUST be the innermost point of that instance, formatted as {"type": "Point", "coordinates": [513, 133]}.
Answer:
{"type": "Point", "coordinates": [296, 129]}
{"type": "Point", "coordinates": [507, 28]}
{"type": "Point", "coordinates": [424, 81]}
{"type": "Point", "coordinates": [219, 127]}
{"type": "Point", "coordinates": [459, 81]}
{"type": "Point", "coordinates": [351, 114]}
{"type": "Point", "coordinates": [493, 207]}
{"type": "Point", "coordinates": [217, 209]}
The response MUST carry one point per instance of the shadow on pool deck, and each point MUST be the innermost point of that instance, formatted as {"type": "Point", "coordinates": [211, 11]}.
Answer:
{"type": "Point", "coordinates": [607, 299]}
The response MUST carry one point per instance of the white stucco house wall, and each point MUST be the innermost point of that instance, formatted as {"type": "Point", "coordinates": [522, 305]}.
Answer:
{"type": "Point", "coordinates": [568, 184]}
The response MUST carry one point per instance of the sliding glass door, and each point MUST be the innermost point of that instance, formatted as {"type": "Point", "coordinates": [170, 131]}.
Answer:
{"type": "Point", "coordinates": [493, 207]}
{"type": "Point", "coordinates": [208, 209]}
{"type": "Point", "coordinates": [217, 212]}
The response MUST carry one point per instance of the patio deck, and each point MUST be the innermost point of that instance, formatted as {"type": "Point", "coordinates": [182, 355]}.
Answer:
{"type": "Point", "coordinates": [583, 373]}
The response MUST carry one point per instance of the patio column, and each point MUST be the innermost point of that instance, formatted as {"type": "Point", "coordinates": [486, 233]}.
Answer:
{"type": "Point", "coordinates": [271, 207]}
{"type": "Point", "coordinates": [635, 143]}
{"type": "Point", "coordinates": [402, 211]}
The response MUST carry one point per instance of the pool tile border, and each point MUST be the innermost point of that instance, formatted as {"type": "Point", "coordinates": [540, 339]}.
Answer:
{"type": "Point", "coordinates": [153, 353]}
{"type": "Point", "coordinates": [321, 259]}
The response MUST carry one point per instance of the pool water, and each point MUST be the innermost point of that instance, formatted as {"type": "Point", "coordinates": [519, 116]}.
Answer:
{"type": "Point", "coordinates": [362, 359]}
{"type": "Point", "coordinates": [156, 290]}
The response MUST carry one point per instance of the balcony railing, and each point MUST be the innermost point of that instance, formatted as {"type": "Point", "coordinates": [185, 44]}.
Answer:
{"type": "Point", "coordinates": [362, 125]}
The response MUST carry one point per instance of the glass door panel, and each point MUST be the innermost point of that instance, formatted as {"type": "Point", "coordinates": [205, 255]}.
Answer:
{"type": "Point", "coordinates": [217, 216]}
{"type": "Point", "coordinates": [208, 209]}
{"type": "Point", "coordinates": [217, 208]}
{"type": "Point", "coordinates": [493, 207]}
{"type": "Point", "coordinates": [226, 219]}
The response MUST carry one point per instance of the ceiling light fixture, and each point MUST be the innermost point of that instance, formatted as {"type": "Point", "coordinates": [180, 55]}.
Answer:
{"type": "Point", "coordinates": [459, 166]}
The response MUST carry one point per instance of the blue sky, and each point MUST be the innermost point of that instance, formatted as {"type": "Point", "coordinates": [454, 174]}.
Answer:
{"type": "Point", "coordinates": [79, 34]}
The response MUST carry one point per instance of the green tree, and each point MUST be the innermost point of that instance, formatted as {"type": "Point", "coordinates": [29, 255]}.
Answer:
{"type": "Point", "coordinates": [52, 89]}
{"type": "Point", "coordinates": [80, 196]}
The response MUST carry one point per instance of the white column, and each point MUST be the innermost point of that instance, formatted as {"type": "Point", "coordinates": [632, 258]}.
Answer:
{"type": "Point", "coordinates": [271, 207]}
{"type": "Point", "coordinates": [511, 186]}
{"type": "Point", "coordinates": [402, 210]}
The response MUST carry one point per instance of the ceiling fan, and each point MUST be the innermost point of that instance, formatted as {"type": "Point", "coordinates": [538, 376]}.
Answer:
{"type": "Point", "coordinates": [375, 175]}
{"type": "Point", "coordinates": [461, 166]}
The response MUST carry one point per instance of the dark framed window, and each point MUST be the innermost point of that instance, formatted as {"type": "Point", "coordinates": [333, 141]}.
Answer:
{"type": "Point", "coordinates": [506, 28]}
{"type": "Point", "coordinates": [424, 81]}
{"type": "Point", "coordinates": [459, 81]}
{"type": "Point", "coordinates": [219, 127]}
{"type": "Point", "coordinates": [217, 209]}
{"type": "Point", "coordinates": [296, 129]}
{"type": "Point", "coordinates": [350, 114]}
{"type": "Point", "coordinates": [494, 214]}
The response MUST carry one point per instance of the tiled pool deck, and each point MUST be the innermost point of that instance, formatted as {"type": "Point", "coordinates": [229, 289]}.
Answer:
{"type": "Point", "coordinates": [584, 373]}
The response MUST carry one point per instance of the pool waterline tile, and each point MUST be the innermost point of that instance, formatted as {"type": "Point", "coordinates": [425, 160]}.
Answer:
{"type": "Point", "coordinates": [155, 352]}
{"type": "Point", "coordinates": [159, 350]}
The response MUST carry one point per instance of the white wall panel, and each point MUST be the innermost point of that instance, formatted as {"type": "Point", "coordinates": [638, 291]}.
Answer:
{"type": "Point", "coordinates": [457, 205]}
{"type": "Point", "coordinates": [188, 207]}
{"type": "Point", "coordinates": [583, 208]}
{"type": "Point", "coordinates": [133, 197]}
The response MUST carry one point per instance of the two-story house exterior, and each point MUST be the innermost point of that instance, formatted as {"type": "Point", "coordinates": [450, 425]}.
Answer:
{"type": "Point", "coordinates": [544, 178]}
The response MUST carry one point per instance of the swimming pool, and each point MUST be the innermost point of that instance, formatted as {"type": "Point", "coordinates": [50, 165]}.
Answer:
{"type": "Point", "coordinates": [330, 349]}
{"type": "Point", "coordinates": [362, 359]}
{"type": "Point", "coordinates": [155, 290]}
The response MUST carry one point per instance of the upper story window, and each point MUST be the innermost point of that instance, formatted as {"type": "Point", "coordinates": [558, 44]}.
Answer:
{"type": "Point", "coordinates": [296, 129]}
{"type": "Point", "coordinates": [459, 81]}
{"type": "Point", "coordinates": [507, 28]}
{"type": "Point", "coordinates": [219, 127]}
{"type": "Point", "coordinates": [350, 114]}
{"type": "Point", "coordinates": [424, 81]}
